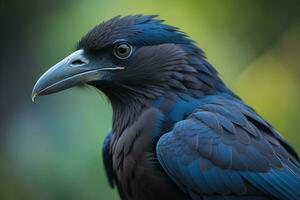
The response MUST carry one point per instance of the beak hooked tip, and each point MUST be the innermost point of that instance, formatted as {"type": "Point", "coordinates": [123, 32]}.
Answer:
{"type": "Point", "coordinates": [33, 97]}
{"type": "Point", "coordinates": [34, 93]}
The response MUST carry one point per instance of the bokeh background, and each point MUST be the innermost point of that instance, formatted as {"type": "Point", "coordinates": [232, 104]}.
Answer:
{"type": "Point", "coordinates": [51, 149]}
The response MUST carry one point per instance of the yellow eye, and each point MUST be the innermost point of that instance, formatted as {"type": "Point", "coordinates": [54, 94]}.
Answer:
{"type": "Point", "coordinates": [123, 51]}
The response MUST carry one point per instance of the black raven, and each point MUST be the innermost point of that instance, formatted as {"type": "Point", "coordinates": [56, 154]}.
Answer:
{"type": "Point", "coordinates": [178, 132]}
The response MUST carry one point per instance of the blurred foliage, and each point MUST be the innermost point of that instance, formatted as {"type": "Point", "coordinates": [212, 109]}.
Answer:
{"type": "Point", "coordinates": [51, 149]}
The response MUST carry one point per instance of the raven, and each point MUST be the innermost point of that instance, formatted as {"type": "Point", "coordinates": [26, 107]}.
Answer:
{"type": "Point", "coordinates": [178, 131]}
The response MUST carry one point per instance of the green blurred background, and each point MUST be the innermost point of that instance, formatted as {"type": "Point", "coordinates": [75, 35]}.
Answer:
{"type": "Point", "coordinates": [51, 149]}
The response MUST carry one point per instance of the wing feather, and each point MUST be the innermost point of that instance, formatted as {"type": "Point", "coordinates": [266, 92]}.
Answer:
{"type": "Point", "coordinates": [224, 148]}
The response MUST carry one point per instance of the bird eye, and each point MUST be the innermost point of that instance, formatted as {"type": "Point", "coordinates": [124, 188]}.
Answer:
{"type": "Point", "coordinates": [123, 51]}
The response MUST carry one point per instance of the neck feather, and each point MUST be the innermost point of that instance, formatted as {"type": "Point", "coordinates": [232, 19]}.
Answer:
{"type": "Point", "coordinates": [194, 79]}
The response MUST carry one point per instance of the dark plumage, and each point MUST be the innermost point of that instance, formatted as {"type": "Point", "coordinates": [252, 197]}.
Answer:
{"type": "Point", "coordinates": [178, 132]}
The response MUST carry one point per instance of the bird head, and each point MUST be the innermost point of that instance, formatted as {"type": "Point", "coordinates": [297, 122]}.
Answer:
{"type": "Point", "coordinates": [136, 56]}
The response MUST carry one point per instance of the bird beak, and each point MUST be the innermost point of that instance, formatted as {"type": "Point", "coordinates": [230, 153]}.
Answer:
{"type": "Point", "coordinates": [75, 69]}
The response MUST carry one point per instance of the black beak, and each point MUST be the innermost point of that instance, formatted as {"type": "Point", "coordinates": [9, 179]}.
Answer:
{"type": "Point", "coordinates": [74, 70]}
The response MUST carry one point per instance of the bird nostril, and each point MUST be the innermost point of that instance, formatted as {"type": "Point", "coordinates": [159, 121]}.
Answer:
{"type": "Point", "coordinates": [78, 62]}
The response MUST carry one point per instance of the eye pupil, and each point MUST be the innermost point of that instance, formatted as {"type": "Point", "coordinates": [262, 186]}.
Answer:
{"type": "Point", "coordinates": [123, 51]}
